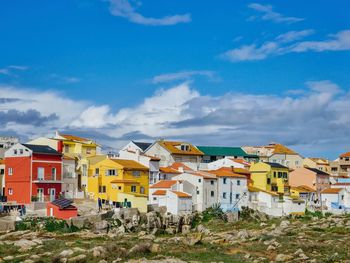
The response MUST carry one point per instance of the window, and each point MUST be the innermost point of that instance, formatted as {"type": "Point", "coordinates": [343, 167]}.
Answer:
{"type": "Point", "coordinates": [212, 182]}
{"type": "Point", "coordinates": [285, 175]}
{"type": "Point", "coordinates": [199, 180]}
{"type": "Point", "coordinates": [10, 191]}
{"type": "Point", "coordinates": [119, 188]}
{"type": "Point", "coordinates": [280, 175]}
{"type": "Point", "coordinates": [212, 193]}
{"type": "Point", "coordinates": [142, 190]}
{"type": "Point", "coordinates": [185, 147]}
{"type": "Point", "coordinates": [296, 162]}
{"type": "Point", "coordinates": [88, 150]}
{"type": "Point", "coordinates": [237, 196]}
{"type": "Point", "coordinates": [97, 171]}
{"type": "Point", "coordinates": [274, 188]}
{"type": "Point", "coordinates": [20, 151]}
{"type": "Point", "coordinates": [41, 172]}
{"type": "Point", "coordinates": [102, 189]}
{"type": "Point", "coordinates": [133, 188]}
{"type": "Point", "coordinates": [154, 198]}
{"type": "Point", "coordinates": [342, 197]}
{"type": "Point", "coordinates": [238, 182]}
{"type": "Point", "coordinates": [66, 149]}
{"type": "Point", "coordinates": [274, 174]}
{"type": "Point", "coordinates": [225, 181]}
{"type": "Point", "coordinates": [110, 172]}
{"type": "Point", "coordinates": [268, 181]}
{"type": "Point", "coordinates": [2, 171]}
{"type": "Point", "coordinates": [224, 195]}
{"type": "Point", "coordinates": [15, 151]}
{"type": "Point", "coordinates": [10, 171]}
{"type": "Point", "coordinates": [347, 159]}
{"type": "Point", "coordinates": [197, 192]}
{"type": "Point", "coordinates": [136, 173]}
{"type": "Point", "coordinates": [53, 173]}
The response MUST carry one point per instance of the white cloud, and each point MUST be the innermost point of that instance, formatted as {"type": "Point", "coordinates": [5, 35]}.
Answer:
{"type": "Point", "coordinates": [9, 70]}
{"type": "Point", "coordinates": [286, 43]}
{"type": "Point", "coordinates": [316, 118]}
{"type": "Point", "coordinates": [183, 75]}
{"type": "Point", "coordinates": [64, 79]}
{"type": "Point", "coordinates": [268, 14]}
{"type": "Point", "coordinates": [123, 8]}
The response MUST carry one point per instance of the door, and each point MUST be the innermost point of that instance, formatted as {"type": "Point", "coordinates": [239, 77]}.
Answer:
{"type": "Point", "coordinates": [52, 194]}
{"type": "Point", "coordinates": [40, 195]}
{"type": "Point", "coordinates": [51, 211]}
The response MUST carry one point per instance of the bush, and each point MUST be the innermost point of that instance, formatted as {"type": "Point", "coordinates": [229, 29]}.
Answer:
{"type": "Point", "coordinates": [214, 212]}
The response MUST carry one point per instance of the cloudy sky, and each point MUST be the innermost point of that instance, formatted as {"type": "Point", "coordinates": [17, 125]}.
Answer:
{"type": "Point", "coordinates": [230, 73]}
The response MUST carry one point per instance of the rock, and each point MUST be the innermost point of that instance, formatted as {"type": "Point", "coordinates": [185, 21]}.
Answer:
{"type": "Point", "coordinates": [28, 261]}
{"type": "Point", "coordinates": [140, 248]}
{"type": "Point", "coordinates": [203, 230]}
{"type": "Point", "coordinates": [155, 248]}
{"type": "Point", "coordinates": [232, 217]}
{"type": "Point", "coordinates": [302, 256]}
{"type": "Point", "coordinates": [35, 257]}
{"type": "Point", "coordinates": [25, 244]}
{"type": "Point", "coordinates": [7, 224]}
{"type": "Point", "coordinates": [98, 252]}
{"type": "Point", "coordinates": [271, 247]}
{"type": "Point", "coordinates": [283, 258]}
{"type": "Point", "coordinates": [170, 231]}
{"type": "Point", "coordinates": [79, 258]}
{"type": "Point", "coordinates": [66, 253]}
{"type": "Point", "coordinates": [298, 252]}
{"type": "Point", "coordinates": [243, 234]}
{"type": "Point", "coordinates": [117, 260]}
{"type": "Point", "coordinates": [8, 258]}
{"type": "Point", "coordinates": [80, 222]}
{"type": "Point", "coordinates": [186, 229]}
{"type": "Point", "coordinates": [284, 224]}
{"type": "Point", "coordinates": [192, 239]}
{"type": "Point", "coordinates": [142, 233]}
{"type": "Point", "coordinates": [79, 249]}
{"type": "Point", "coordinates": [101, 225]}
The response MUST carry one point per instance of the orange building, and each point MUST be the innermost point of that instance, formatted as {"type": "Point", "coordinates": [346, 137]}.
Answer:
{"type": "Point", "coordinates": [61, 209]}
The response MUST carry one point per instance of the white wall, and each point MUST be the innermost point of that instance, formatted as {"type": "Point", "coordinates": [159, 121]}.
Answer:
{"type": "Point", "coordinates": [225, 162]}
{"type": "Point", "coordinates": [231, 188]}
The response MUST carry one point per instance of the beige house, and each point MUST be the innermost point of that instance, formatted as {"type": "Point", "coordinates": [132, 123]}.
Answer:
{"type": "Point", "coordinates": [276, 153]}
{"type": "Point", "coordinates": [321, 164]}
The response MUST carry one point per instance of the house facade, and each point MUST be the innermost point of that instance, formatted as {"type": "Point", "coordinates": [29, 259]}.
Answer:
{"type": "Point", "coordinates": [33, 173]}
{"type": "Point", "coordinates": [2, 178]}
{"type": "Point", "coordinates": [135, 146]}
{"type": "Point", "coordinates": [272, 177]}
{"type": "Point", "coordinates": [310, 177]}
{"type": "Point", "coordinates": [232, 189]}
{"type": "Point", "coordinates": [276, 153]}
{"type": "Point", "coordinates": [336, 200]}
{"type": "Point", "coordinates": [170, 152]}
{"type": "Point", "coordinates": [344, 164]}
{"type": "Point", "coordinates": [6, 142]}
{"type": "Point", "coordinates": [119, 182]}
{"type": "Point", "coordinates": [321, 164]}
{"type": "Point", "coordinates": [214, 153]}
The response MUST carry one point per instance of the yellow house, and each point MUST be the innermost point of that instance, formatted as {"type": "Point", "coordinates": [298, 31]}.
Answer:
{"type": "Point", "coordinates": [270, 177]}
{"type": "Point", "coordinates": [124, 183]}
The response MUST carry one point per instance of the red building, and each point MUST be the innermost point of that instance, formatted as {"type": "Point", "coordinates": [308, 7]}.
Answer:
{"type": "Point", "coordinates": [61, 209]}
{"type": "Point", "coordinates": [33, 173]}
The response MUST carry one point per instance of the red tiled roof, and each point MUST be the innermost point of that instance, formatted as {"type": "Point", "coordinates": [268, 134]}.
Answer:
{"type": "Point", "coordinates": [168, 170]}
{"type": "Point", "coordinates": [178, 165]}
{"type": "Point", "coordinates": [159, 192]}
{"type": "Point", "coordinates": [331, 191]}
{"type": "Point", "coordinates": [182, 194]}
{"type": "Point", "coordinates": [164, 184]}
{"type": "Point", "coordinates": [347, 154]}
{"type": "Point", "coordinates": [226, 172]}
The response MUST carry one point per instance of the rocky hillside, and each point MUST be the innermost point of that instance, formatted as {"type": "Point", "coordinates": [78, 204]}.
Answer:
{"type": "Point", "coordinates": [208, 237]}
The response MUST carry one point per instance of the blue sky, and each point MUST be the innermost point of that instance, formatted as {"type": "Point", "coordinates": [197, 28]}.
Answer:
{"type": "Point", "coordinates": [108, 59]}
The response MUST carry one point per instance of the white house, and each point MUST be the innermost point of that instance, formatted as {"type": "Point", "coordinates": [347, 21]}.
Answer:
{"type": "Point", "coordinates": [136, 146]}
{"type": "Point", "coordinates": [172, 195]}
{"type": "Point", "coordinates": [205, 194]}
{"type": "Point", "coordinates": [274, 204]}
{"type": "Point", "coordinates": [337, 200]}
{"type": "Point", "coordinates": [225, 162]}
{"type": "Point", "coordinates": [232, 189]}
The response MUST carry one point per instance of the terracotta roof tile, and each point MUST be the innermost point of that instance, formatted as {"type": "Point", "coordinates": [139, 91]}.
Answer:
{"type": "Point", "coordinates": [168, 170]}
{"type": "Point", "coordinates": [226, 172]}
{"type": "Point", "coordinates": [347, 154]}
{"type": "Point", "coordinates": [124, 181]}
{"type": "Point", "coordinates": [164, 184]}
{"type": "Point", "coordinates": [130, 164]}
{"type": "Point", "coordinates": [159, 192]}
{"type": "Point", "coordinates": [172, 148]}
{"type": "Point", "coordinates": [178, 165]}
{"type": "Point", "coordinates": [182, 194]}
{"type": "Point", "coordinates": [331, 191]}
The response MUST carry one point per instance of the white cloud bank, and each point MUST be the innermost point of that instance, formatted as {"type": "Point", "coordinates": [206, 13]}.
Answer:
{"type": "Point", "coordinates": [317, 119]}
{"type": "Point", "coordinates": [184, 75]}
{"type": "Point", "coordinates": [123, 8]}
{"type": "Point", "coordinates": [287, 43]}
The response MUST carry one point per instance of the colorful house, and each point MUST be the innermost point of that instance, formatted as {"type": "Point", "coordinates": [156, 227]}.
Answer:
{"type": "Point", "coordinates": [232, 189]}
{"type": "Point", "coordinates": [321, 164]}
{"type": "Point", "coordinates": [2, 178]}
{"type": "Point", "coordinates": [33, 173]}
{"type": "Point", "coordinates": [310, 177]}
{"type": "Point", "coordinates": [170, 152]}
{"type": "Point", "coordinates": [122, 183]}
{"type": "Point", "coordinates": [214, 153]}
{"type": "Point", "coordinates": [272, 177]}
{"type": "Point", "coordinates": [336, 200]}
{"type": "Point", "coordinates": [305, 193]}
{"type": "Point", "coordinates": [62, 209]}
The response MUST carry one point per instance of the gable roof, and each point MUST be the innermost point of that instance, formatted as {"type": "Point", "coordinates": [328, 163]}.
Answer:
{"type": "Point", "coordinates": [280, 149]}
{"type": "Point", "coordinates": [182, 194]}
{"type": "Point", "coordinates": [255, 189]}
{"type": "Point", "coordinates": [164, 184]}
{"type": "Point", "coordinates": [331, 191]}
{"type": "Point", "coordinates": [178, 165]}
{"type": "Point", "coordinates": [317, 171]}
{"type": "Point", "coordinates": [222, 151]}
{"type": "Point", "coordinates": [43, 149]}
{"type": "Point", "coordinates": [241, 161]}
{"type": "Point", "coordinates": [74, 138]}
{"type": "Point", "coordinates": [171, 147]}
{"type": "Point", "coordinates": [142, 145]}
{"type": "Point", "coordinates": [168, 170]}
{"type": "Point", "coordinates": [276, 165]}
{"type": "Point", "coordinates": [347, 154]}
{"type": "Point", "coordinates": [319, 160]}
{"type": "Point", "coordinates": [124, 181]}
{"type": "Point", "coordinates": [130, 164]}
{"type": "Point", "coordinates": [241, 171]}
{"type": "Point", "coordinates": [303, 189]}
{"type": "Point", "coordinates": [226, 172]}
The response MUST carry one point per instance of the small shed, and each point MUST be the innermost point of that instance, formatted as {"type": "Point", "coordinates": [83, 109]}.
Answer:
{"type": "Point", "coordinates": [62, 209]}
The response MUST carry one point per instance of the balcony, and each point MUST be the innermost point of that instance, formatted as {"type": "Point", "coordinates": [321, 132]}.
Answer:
{"type": "Point", "coordinates": [47, 179]}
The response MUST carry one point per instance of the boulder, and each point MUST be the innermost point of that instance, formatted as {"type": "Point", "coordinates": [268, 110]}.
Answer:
{"type": "Point", "coordinates": [283, 258]}
{"type": "Point", "coordinates": [66, 253]}
{"type": "Point", "coordinates": [79, 258]}
{"type": "Point", "coordinates": [186, 229]}
{"type": "Point", "coordinates": [232, 217]}
{"type": "Point", "coordinates": [192, 239]}
{"type": "Point", "coordinates": [98, 251]}
{"type": "Point", "coordinates": [101, 225]}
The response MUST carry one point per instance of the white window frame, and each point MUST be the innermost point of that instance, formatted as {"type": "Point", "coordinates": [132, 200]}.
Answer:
{"type": "Point", "coordinates": [10, 171]}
